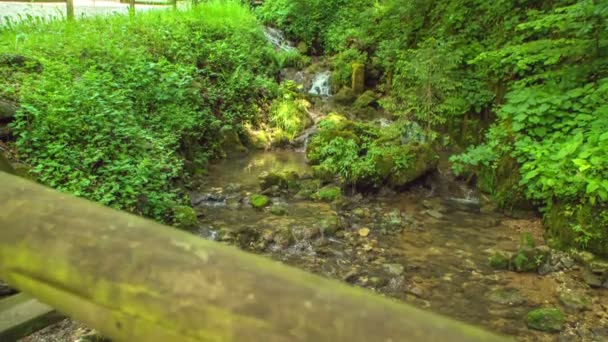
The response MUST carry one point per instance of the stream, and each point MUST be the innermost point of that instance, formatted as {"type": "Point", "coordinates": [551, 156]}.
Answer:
{"type": "Point", "coordinates": [421, 246]}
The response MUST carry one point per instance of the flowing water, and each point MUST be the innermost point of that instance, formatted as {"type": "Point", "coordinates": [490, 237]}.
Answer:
{"type": "Point", "coordinates": [427, 247]}
{"type": "Point", "coordinates": [277, 39]}
{"type": "Point", "coordinates": [321, 84]}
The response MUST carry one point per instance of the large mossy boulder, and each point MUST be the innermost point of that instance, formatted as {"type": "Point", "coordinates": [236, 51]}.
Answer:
{"type": "Point", "coordinates": [345, 96]}
{"type": "Point", "coordinates": [421, 158]}
{"type": "Point", "coordinates": [367, 99]}
{"type": "Point", "coordinates": [283, 180]}
{"type": "Point", "coordinates": [363, 153]}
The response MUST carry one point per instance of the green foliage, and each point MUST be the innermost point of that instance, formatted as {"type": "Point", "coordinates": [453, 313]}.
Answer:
{"type": "Point", "coordinates": [424, 84]}
{"type": "Point", "coordinates": [499, 261]}
{"type": "Point", "coordinates": [365, 154]}
{"type": "Point", "coordinates": [119, 102]}
{"type": "Point", "coordinates": [342, 68]}
{"type": "Point", "coordinates": [554, 118]}
{"type": "Point", "coordinates": [185, 217]}
{"type": "Point", "coordinates": [290, 112]}
{"type": "Point", "coordinates": [293, 59]}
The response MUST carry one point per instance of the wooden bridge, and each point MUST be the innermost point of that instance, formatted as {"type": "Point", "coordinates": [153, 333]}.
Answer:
{"type": "Point", "coordinates": [135, 280]}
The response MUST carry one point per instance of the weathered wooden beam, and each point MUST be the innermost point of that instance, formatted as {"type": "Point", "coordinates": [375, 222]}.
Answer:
{"type": "Point", "coordinates": [135, 280]}
{"type": "Point", "coordinates": [21, 315]}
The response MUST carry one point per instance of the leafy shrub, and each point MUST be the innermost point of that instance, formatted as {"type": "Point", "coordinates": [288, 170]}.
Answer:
{"type": "Point", "coordinates": [120, 101]}
{"type": "Point", "coordinates": [290, 112]}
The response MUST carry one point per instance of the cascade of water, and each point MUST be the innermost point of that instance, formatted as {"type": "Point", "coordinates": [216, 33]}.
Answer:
{"type": "Point", "coordinates": [320, 84]}
{"type": "Point", "coordinates": [277, 39]}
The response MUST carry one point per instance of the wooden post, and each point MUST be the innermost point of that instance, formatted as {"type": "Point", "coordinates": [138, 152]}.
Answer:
{"type": "Point", "coordinates": [174, 4]}
{"type": "Point", "coordinates": [69, 4]}
{"type": "Point", "coordinates": [132, 7]}
{"type": "Point", "coordinates": [136, 280]}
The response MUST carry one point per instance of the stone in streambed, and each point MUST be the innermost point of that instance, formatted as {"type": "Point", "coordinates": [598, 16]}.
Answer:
{"type": "Point", "coordinates": [278, 210]}
{"type": "Point", "coordinates": [506, 296]}
{"type": "Point", "coordinates": [545, 319]}
{"type": "Point", "coordinates": [574, 301]}
{"type": "Point", "coordinates": [394, 269]}
{"type": "Point", "coordinates": [259, 201]}
{"type": "Point", "coordinates": [328, 194]}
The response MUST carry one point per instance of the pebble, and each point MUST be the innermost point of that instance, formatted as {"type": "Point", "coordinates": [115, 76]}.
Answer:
{"type": "Point", "coordinates": [364, 232]}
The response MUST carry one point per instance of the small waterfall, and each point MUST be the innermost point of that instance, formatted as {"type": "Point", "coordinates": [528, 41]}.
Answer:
{"type": "Point", "coordinates": [277, 39]}
{"type": "Point", "coordinates": [320, 84]}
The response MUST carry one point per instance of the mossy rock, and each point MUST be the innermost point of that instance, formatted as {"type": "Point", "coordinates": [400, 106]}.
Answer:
{"type": "Point", "coordinates": [345, 96]}
{"type": "Point", "coordinates": [308, 187]}
{"type": "Point", "coordinates": [302, 47]}
{"type": "Point", "coordinates": [328, 194]}
{"type": "Point", "coordinates": [367, 99]}
{"type": "Point", "coordinates": [259, 201]}
{"type": "Point", "coordinates": [8, 109]}
{"type": "Point", "coordinates": [376, 155]}
{"type": "Point", "coordinates": [185, 217]}
{"type": "Point", "coordinates": [575, 301]}
{"type": "Point", "coordinates": [330, 225]}
{"type": "Point", "coordinates": [270, 179]}
{"type": "Point", "coordinates": [545, 319]}
{"type": "Point", "coordinates": [278, 210]}
{"type": "Point", "coordinates": [231, 143]}
{"type": "Point", "coordinates": [499, 261]}
{"type": "Point", "coordinates": [258, 139]}
{"type": "Point", "coordinates": [358, 78]}
{"type": "Point", "coordinates": [423, 160]}
{"type": "Point", "coordinates": [282, 180]}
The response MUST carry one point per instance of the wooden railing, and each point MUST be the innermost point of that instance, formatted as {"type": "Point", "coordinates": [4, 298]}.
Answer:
{"type": "Point", "coordinates": [136, 280]}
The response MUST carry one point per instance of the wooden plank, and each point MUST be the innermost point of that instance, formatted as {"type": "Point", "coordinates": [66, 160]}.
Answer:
{"type": "Point", "coordinates": [135, 280]}
{"type": "Point", "coordinates": [21, 315]}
